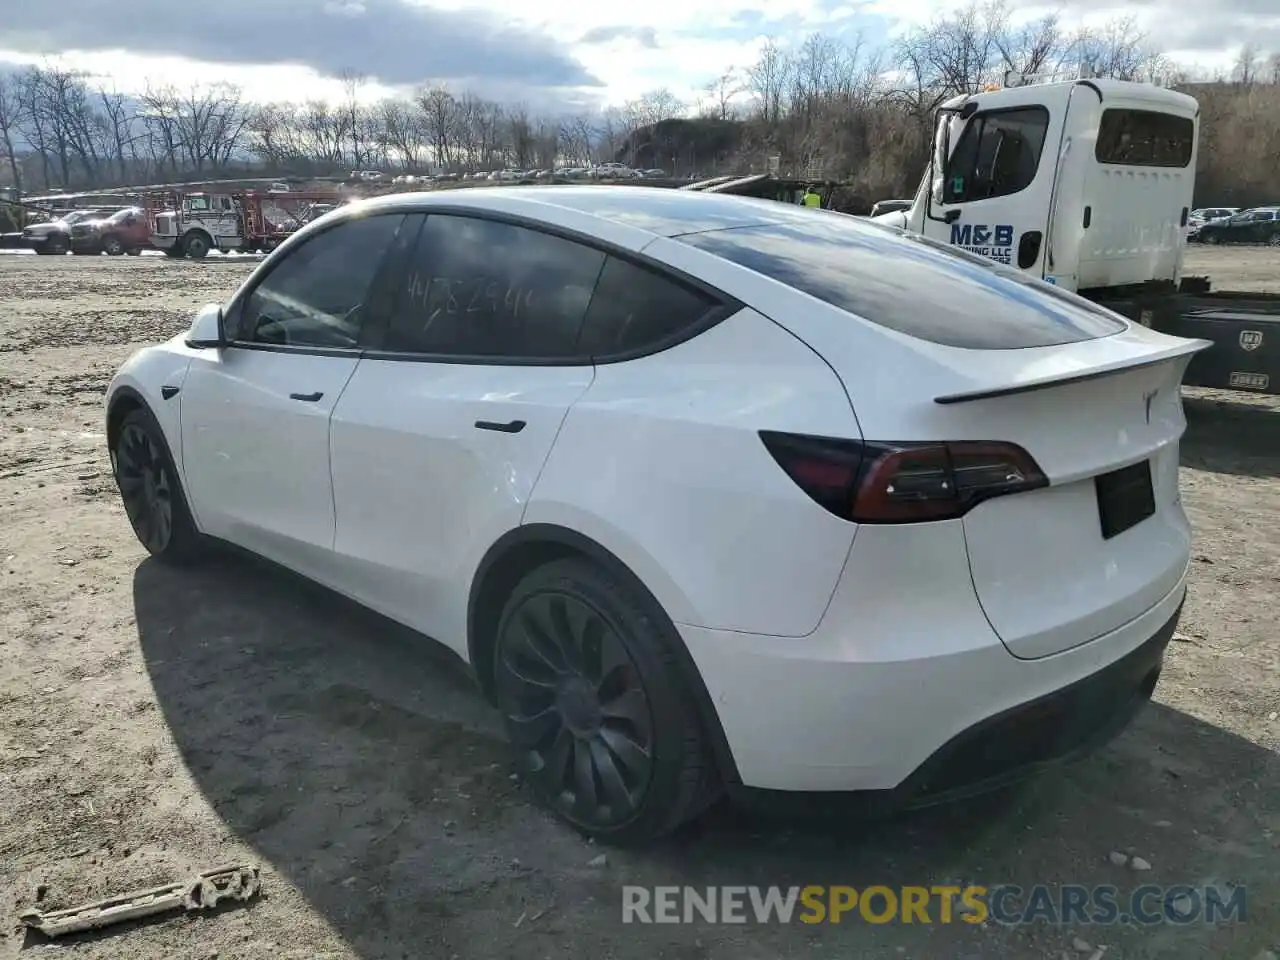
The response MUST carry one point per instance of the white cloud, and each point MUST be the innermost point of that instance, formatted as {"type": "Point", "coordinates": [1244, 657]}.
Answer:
{"type": "Point", "coordinates": [535, 50]}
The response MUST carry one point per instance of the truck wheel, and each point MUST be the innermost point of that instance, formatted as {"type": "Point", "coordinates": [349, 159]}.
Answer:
{"type": "Point", "coordinates": [196, 246]}
{"type": "Point", "coordinates": [112, 246]}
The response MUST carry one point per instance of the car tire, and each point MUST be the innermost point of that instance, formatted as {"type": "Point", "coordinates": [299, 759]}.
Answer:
{"type": "Point", "coordinates": [1274, 240]}
{"type": "Point", "coordinates": [601, 723]}
{"type": "Point", "coordinates": [1212, 239]}
{"type": "Point", "coordinates": [113, 246]}
{"type": "Point", "coordinates": [151, 491]}
{"type": "Point", "coordinates": [196, 246]}
{"type": "Point", "coordinates": [57, 246]}
{"type": "Point", "coordinates": [42, 251]}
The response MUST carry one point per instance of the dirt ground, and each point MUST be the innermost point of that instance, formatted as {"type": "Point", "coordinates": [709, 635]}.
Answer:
{"type": "Point", "coordinates": [155, 722]}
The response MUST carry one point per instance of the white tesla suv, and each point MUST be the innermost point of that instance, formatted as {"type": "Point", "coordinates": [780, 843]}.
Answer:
{"type": "Point", "coordinates": [712, 494]}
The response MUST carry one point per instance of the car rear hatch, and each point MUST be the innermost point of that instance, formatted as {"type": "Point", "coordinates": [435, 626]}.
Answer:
{"type": "Point", "coordinates": [1106, 539]}
{"type": "Point", "coordinates": [942, 348]}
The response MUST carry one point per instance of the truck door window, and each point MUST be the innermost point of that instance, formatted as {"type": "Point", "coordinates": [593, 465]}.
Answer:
{"type": "Point", "coordinates": [998, 154]}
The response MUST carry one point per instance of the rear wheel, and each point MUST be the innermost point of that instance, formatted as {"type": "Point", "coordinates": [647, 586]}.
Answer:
{"type": "Point", "coordinates": [1274, 240]}
{"type": "Point", "coordinates": [1212, 238]}
{"type": "Point", "coordinates": [57, 245]}
{"type": "Point", "coordinates": [599, 719]}
{"type": "Point", "coordinates": [150, 491]}
{"type": "Point", "coordinates": [113, 246]}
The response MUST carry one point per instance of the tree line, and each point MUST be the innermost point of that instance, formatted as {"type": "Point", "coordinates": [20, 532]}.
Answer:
{"type": "Point", "coordinates": [821, 109]}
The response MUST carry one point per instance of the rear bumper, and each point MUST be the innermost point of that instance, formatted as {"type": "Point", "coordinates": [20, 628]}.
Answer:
{"type": "Point", "coordinates": [935, 710]}
{"type": "Point", "coordinates": [1006, 748]}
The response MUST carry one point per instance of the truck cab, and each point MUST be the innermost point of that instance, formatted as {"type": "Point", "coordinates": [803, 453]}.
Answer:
{"type": "Point", "coordinates": [1086, 184]}
{"type": "Point", "coordinates": [198, 223]}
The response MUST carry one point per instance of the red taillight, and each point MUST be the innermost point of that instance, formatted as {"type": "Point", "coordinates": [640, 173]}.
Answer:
{"type": "Point", "coordinates": [903, 482]}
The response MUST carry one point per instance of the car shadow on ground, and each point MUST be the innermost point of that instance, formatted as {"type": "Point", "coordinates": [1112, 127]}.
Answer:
{"type": "Point", "coordinates": [1229, 436]}
{"type": "Point", "coordinates": [366, 770]}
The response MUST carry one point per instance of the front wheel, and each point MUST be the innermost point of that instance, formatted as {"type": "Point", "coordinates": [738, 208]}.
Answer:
{"type": "Point", "coordinates": [113, 246]}
{"type": "Point", "coordinates": [600, 720]}
{"type": "Point", "coordinates": [150, 490]}
{"type": "Point", "coordinates": [196, 246]}
{"type": "Point", "coordinates": [1274, 240]}
{"type": "Point", "coordinates": [1212, 239]}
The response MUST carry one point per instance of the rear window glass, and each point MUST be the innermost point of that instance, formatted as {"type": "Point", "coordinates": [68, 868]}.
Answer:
{"type": "Point", "coordinates": [915, 286]}
{"type": "Point", "coordinates": [1145, 138]}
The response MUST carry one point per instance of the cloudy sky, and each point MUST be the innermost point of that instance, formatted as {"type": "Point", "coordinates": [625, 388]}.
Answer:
{"type": "Point", "coordinates": [566, 52]}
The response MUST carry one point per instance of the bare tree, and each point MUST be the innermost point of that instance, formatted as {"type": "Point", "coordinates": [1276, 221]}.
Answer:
{"type": "Point", "coordinates": [10, 110]}
{"type": "Point", "coordinates": [722, 91]}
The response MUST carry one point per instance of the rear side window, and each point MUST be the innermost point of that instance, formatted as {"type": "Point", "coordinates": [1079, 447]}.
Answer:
{"type": "Point", "coordinates": [914, 286]}
{"type": "Point", "coordinates": [998, 154]}
{"type": "Point", "coordinates": [481, 288]}
{"type": "Point", "coordinates": [1145, 138]}
{"type": "Point", "coordinates": [635, 309]}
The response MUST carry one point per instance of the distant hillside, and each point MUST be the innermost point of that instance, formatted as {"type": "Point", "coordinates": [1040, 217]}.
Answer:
{"type": "Point", "coordinates": [684, 146]}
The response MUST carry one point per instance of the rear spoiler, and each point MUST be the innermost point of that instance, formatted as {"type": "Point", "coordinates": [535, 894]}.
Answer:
{"type": "Point", "coordinates": [1185, 349]}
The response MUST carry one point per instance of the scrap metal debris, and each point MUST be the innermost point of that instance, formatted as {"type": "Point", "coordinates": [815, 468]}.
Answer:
{"type": "Point", "coordinates": [202, 892]}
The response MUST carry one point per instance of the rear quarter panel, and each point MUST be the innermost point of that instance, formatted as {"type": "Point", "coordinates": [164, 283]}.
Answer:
{"type": "Point", "coordinates": [661, 463]}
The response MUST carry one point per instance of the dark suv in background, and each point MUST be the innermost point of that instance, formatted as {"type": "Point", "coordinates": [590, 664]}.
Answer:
{"type": "Point", "coordinates": [1259, 225]}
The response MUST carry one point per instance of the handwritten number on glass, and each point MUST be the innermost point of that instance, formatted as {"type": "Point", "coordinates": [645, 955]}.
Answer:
{"type": "Point", "coordinates": [450, 296]}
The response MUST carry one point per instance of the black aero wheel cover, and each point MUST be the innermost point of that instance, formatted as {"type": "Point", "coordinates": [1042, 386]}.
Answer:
{"type": "Point", "coordinates": [575, 708]}
{"type": "Point", "coordinates": [146, 485]}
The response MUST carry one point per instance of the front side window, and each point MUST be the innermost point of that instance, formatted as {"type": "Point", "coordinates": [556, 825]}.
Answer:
{"type": "Point", "coordinates": [315, 296]}
{"type": "Point", "coordinates": [482, 288]}
{"type": "Point", "coordinates": [998, 155]}
{"type": "Point", "coordinates": [1145, 138]}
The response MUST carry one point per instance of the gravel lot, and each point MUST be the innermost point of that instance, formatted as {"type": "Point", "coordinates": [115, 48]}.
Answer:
{"type": "Point", "coordinates": [155, 722]}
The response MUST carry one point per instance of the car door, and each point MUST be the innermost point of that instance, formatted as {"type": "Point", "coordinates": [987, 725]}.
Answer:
{"type": "Point", "coordinates": [255, 414]}
{"type": "Point", "coordinates": [440, 436]}
{"type": "Point", "coordinates": [1264, 222]}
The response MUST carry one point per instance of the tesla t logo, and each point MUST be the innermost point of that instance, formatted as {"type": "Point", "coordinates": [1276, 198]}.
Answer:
{"type": "Point", "coordinates": [1147, 399]}
{"type": "Point", "coordinates": [1250, 339]}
